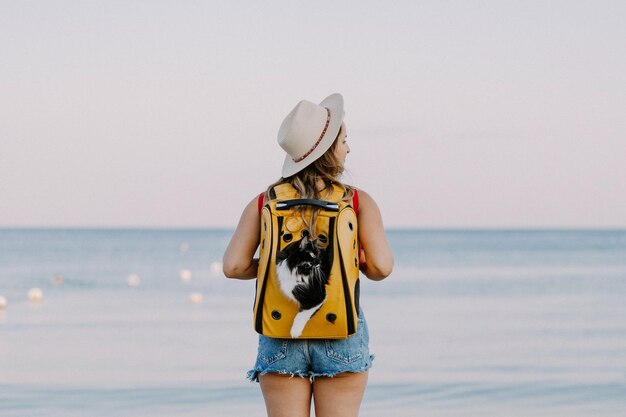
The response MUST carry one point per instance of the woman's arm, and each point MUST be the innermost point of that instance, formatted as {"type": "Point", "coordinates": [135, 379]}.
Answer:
{"type": "Point", "coordinates": [376, 256]}
{"type": "Point", "coordinates": [238, 259]}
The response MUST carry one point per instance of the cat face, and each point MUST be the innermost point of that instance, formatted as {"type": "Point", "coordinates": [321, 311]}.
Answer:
{"type": "Point", "coordinates": [303, 258]}
{"type": "Point", "coordinates": [306, 258]}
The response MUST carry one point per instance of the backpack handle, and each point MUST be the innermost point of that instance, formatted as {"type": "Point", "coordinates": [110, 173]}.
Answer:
{"type": "Point", "coordinates": [326, 205]}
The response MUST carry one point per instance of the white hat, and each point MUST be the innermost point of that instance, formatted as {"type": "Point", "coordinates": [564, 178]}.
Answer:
{"type": "Point", "coordinates": [308, 132]}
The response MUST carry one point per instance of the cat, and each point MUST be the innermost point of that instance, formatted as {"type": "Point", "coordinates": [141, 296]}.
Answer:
{"type": "Point", "coordinates": [302, 269]}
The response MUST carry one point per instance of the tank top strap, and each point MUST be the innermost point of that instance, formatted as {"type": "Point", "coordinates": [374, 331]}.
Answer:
{"type": "Point", "coordinates": [260, 202]}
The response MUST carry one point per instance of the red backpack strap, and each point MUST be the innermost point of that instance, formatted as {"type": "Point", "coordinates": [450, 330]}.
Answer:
{"type": "Point", "coordinates": [260, 203]}
{"type": "Point", "coordinates": [355, 201]}
{"type": "Point", "coordinates": [355, 206]}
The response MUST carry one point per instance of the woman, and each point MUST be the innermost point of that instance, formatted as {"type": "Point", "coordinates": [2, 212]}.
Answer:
{"type": "Point", "coordinates": [314, 164]}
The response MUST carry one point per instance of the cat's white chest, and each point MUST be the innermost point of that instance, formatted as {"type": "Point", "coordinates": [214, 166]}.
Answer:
{"type": "Point", "coordinates": [288, 279]}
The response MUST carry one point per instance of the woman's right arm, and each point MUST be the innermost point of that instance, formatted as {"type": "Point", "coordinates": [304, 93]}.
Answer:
{"type": "Point", "coordinates": [376, 256]}
{"type": "Point", "coordinates": [239, 261]}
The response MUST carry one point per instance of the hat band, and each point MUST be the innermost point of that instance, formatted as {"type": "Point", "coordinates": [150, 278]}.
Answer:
{"type": "Point", "coordinates": [319, 140]}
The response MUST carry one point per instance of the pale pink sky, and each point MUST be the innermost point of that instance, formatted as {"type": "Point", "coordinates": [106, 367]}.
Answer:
{"type": "Point", "coordinates": [459, 113]}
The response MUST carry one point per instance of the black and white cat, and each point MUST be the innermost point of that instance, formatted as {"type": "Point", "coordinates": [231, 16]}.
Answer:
{"type": "Point", "coordinates": [302, 269]}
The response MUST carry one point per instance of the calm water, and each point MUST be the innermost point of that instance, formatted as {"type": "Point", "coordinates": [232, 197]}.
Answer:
{"type": "Point", "coordinates": [471, 323]}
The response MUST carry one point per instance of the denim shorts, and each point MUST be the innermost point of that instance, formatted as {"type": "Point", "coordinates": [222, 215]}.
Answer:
{"type": "Point", "coordinates": [313, 357]}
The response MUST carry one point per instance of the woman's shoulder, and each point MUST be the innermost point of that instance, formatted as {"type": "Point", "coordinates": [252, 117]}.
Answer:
{"type": "Point", "coordinates": [365, 200]}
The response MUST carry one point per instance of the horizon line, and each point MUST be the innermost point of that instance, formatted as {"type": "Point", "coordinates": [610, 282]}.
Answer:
{"type": "Point", "coordinates": [389, 229]}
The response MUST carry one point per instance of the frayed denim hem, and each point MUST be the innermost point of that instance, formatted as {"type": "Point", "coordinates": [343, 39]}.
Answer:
{"type": "Point", "coordinates": [253, 375]}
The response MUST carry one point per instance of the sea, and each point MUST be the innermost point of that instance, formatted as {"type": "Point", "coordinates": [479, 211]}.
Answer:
{"type": "Point", "coordinates": [470, 323]}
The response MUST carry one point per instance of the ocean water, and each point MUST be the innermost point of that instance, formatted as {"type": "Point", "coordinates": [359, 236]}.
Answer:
{"type": "Point", "coordinates": [471, 323]}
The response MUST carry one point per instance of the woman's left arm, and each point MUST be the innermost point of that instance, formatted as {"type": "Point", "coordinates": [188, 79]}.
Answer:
{"type": "Point", "coordinates": [239, 261]}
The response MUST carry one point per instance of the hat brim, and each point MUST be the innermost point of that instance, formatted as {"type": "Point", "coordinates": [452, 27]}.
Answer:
{"type": "Point", "coordinates": [334, 103]}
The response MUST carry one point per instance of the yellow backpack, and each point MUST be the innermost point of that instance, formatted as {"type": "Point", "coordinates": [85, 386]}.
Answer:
{"type": "Point", "coordinates": [307, 284]}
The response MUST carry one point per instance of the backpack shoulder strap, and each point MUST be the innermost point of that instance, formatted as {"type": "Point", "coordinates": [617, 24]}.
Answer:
{"type": "Point", "coordinates": [260, 202]}
{"type": "Point", "coordinates": [355, 201]}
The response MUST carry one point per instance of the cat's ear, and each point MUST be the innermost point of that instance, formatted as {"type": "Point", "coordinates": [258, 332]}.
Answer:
{"type": "Point", "coordinates": [304, 242]}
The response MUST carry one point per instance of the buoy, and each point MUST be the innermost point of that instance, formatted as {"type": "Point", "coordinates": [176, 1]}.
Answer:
{"type": "Point", "coordinates": [3, 302]}
{"type": "Point", "coordinates": [58, 279]}
{"type": "Point", "coordinates": [185, 275]}
{"type": "Point", "coordinates": [196, 298]}
{"type": "Point", "coordinates": [184, 247]}
{"type": "Point", "coordinates": [133, 280]}
{"type": "Point", "coordinates": [35, 295]}
{"type": "Point", "coordinates": [216, 268]}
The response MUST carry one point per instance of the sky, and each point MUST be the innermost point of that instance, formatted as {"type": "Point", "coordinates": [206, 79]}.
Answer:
{"type": "Point", "coordinates": [459, 114]}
